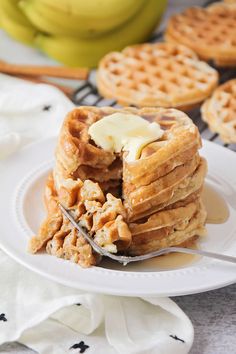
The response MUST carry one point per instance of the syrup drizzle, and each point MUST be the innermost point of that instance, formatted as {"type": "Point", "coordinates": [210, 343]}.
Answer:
{"type": "Point", "coordinates": [216, 206]}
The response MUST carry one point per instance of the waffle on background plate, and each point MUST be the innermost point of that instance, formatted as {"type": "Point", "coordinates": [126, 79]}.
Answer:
{"type": "Point", "coordinates": [219, 111]}
{"type": "Point", "coordinates": [128, 207]}
{"type": "Point", "coordinates": [210, 32]}
{"type": "Point", "coordinates": [156, 75]}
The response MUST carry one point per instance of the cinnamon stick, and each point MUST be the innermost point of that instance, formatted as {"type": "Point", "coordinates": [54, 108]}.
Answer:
{"type": "Point", "coordinates": [52, 71]}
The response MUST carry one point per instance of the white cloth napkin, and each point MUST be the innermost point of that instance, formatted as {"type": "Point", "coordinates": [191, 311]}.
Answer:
{"type": "Point", "coordinates": [54, 319]}
{"type": "Point", "coordinates": [51, 318]}
{"type": "Point", "coordinates": [28, 112]}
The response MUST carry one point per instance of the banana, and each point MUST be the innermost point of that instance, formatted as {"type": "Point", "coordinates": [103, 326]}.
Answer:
{"type": "Point", "coordinates": [114, 12]}
{"type": "Point", "coordinates": [82, 18]}
{"type": "Point", "coordinates": [81, 52]}
{"type": "Point", "coordinates": [15, 23]}
{"type": "Point", "coordinates": [40, 16]}
{"type": "Point", "coordinates": [98, 8]}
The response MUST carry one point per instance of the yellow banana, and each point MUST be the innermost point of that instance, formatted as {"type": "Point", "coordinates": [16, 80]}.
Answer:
{"type": "Point", "coordinates": [99, 8]}
{"type": "Point", "coordinates": [81, 52]}
{"type": "Point", "coordinates": [39, 16]}
{"type": "Point", "coordinates": [15, 23]}
{"type": "Point", "coordinates": [84, 18]}
{"type": "Point", "coordinates": [113, 11]}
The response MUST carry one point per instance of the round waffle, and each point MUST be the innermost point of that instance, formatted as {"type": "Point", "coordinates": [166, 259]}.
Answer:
{"type": "Point", "coordinates": [210, 32]}
{"type": "Point", "coordinates": [163, 229]}
{"type": "Point", "coordinates": [219, 111]}
{"type": "Point", "coordinates": [156, 75]}
{"type": "Point", "coordinates": [158, 203]}
{"type": "Point", "coordinates": [139, 207]}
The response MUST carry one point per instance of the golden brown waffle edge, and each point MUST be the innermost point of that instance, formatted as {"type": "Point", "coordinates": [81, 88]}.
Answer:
{"type": "Point", "coordinates": [160, 164]}
{"type": "Point", "coordinates": [156, 75]}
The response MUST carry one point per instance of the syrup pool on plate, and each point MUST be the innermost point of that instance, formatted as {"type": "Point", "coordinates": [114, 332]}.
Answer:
{"type": "Point", "coordinates": [216, 206]}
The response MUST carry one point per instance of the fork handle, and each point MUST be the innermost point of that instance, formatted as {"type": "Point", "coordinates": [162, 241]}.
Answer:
{"type": "Point", "coordinates": [214, 255]}
{"type": "Point", "coordinates": [128, 259]}
{"type": "Point", "coordinates": [221, 257]}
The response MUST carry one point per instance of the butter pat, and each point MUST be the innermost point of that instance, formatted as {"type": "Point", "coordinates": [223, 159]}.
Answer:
{"type": "Point", "coordinates": [124, 132]}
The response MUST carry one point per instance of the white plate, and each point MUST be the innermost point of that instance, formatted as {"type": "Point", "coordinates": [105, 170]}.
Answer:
{"type": "Point", "coordinates": [22, 177]}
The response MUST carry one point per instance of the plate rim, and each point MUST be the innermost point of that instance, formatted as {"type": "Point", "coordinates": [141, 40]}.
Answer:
{"type": "Point", "coordinates": [92, 287]}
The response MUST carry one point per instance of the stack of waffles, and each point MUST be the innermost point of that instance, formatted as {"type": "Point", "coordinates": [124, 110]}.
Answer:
{"type": "Point", "coordinates": [156, 75]}
{"type": "Point", "coordinates": [130, 207]}
{"type": "Point", "coordinates": [210, 32]}
{"type": "Point", "coordinates": [219, 111]}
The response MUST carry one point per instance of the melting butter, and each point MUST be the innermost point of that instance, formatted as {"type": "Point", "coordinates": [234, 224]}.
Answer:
{"type": "Point", "coordinates": [124, 132]}
{"type": "Point", "coordinates": [216, 207]}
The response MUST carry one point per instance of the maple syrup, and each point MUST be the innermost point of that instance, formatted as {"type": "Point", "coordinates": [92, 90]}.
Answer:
{"type": "Point", "coordinates": [216, 206]}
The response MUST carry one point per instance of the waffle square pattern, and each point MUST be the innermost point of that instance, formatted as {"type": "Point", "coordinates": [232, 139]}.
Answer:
{"type": "Point", "coordinates": [219, 111]}
{"type": "Point", "coordinates": [210, 32]}
{"type": "Point", "coordinates": [156, 75]}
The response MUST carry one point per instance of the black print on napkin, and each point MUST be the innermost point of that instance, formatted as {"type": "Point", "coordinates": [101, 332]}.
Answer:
{"type": "Point", "coordinates": [3, 317]}
{"type": "Point", "coordinates": [47, 108]}
{"type": "Point", "coordinates": [83, 347]}
{"type": "Point", "coordinates": [177, 338]}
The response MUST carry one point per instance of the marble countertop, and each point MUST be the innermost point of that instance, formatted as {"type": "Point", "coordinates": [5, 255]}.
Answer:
{"type": "Point", "coordinates": [214, 319]}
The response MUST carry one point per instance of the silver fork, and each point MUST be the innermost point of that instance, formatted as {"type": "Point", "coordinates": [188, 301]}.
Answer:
{"type": "Point", "coordinates": [127, 259]}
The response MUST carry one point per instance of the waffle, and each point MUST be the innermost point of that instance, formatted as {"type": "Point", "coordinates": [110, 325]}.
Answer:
{"type": "Point", "coordinates": [158, 196]}
{"type": "Point", "coordinates": [210, 32]}
{"type": "Point", "coordinates": [101, 215]}
{"type": "Point", "coordinates": [139, 207]}
{"type": "Point", "coordinates": [168, 228]}
{"type": "Point", "coordinates": [219, 111]}
{"type": "Point", "coordinates": [156, 75]}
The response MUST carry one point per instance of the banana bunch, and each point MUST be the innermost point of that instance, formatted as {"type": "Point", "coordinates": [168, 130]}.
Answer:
{"type": "Point", "coordinates": [80, 32]}
{"type": "Point", "coordinates": [83, 18]}
{"type": "Point", "coordinates": [15, 23]}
